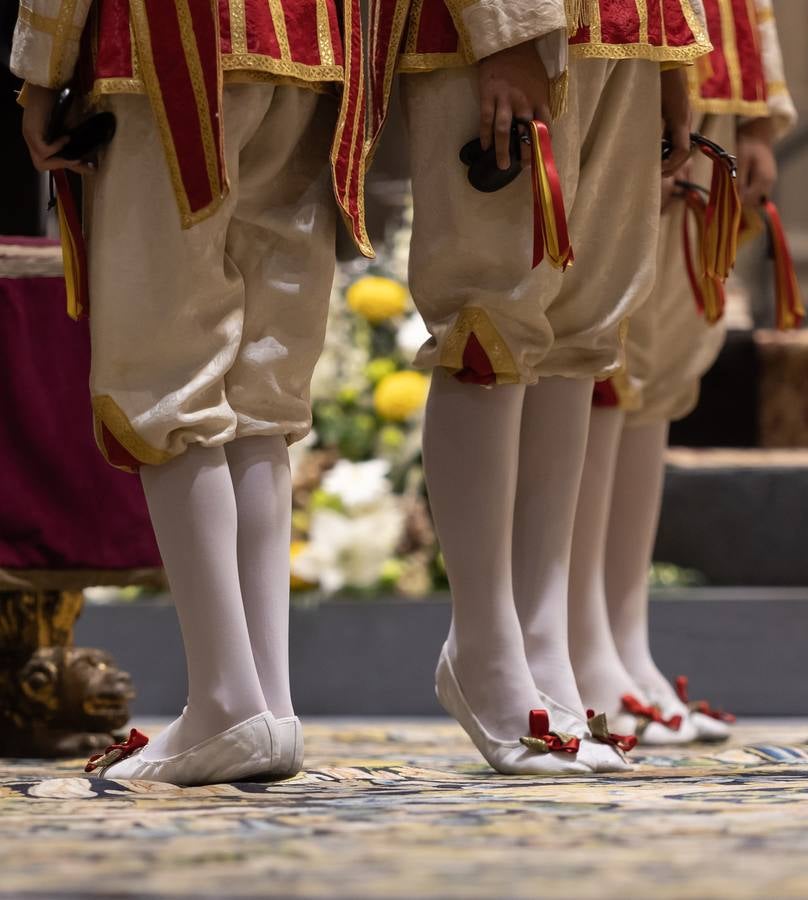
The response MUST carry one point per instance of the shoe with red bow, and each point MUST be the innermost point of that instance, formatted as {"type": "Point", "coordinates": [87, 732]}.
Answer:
{"type": "Point", "coordinates": [712, 725]}
{"type": "Point", "coordinates": [262, 748]}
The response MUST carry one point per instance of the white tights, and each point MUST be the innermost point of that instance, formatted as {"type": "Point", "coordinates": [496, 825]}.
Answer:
{"type": "Point", "coordinates": [482, 448]}
{"type": "Point", "coordinates": [221, 519]}
{"type": "Point", "coordinates": [633, 522]}
{"type": "Point", "coordinates": [600, 673]}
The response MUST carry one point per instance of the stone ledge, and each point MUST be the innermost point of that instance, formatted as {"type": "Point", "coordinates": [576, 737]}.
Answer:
{"type": "Point", "coordinates": [744, 649]}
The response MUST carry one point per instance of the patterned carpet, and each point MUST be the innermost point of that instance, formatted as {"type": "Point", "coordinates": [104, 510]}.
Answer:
{"type": "Point", "coordinates": [405, 809]}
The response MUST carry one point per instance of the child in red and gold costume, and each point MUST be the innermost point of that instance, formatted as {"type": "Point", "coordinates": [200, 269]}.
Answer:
{"type": "Point", "coordinates": [210, 257]}
{"type": "Point", "coordinates": [516, 346]}
{"type": "Point", "coordinates": [740, 95]}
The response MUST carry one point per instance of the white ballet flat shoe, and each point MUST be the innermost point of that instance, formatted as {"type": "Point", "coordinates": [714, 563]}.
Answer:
{"type": "Point", "coordinates": [712, 725]}
{"type": "Point", "coordinates": [507, 757]}
{"type": "Point", "coordinates": [599, 753]}
{"type": "Point", "coordinates": [604, 750]}
{"type": "Point", "coordinates": [653, 734]}
{"type": "Point", "coordinates": [259, 749]}
{"type": "Point", "coordinates": [710, 730]}
{"type": "Point", "coordinates": [661, 722]}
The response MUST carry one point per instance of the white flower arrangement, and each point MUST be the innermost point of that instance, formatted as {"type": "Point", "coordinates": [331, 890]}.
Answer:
{"type": "Point", "coordinates": [359, 486]}
{"type": "Point", "coordinates": [345, 551]}
{"type": "Point", "coordinates": [360, 520]}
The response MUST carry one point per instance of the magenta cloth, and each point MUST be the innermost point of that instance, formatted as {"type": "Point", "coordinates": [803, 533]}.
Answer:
{"type": "Point", "coordinates": [61, 505]}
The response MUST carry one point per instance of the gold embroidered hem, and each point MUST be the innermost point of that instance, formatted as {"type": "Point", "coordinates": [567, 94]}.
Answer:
{"type": "Point", "coordinates": [107, 86]}
{"type": "Point", "coordinates": [627, 391]}
{"type": "Point", "coordinates": [750, 108]}
{"type": "Point", "coordinates": [107, 414]}
{"type": "Point", "coordinates": [475, 321]}
{"type": "Point", "coordinates": [411, 63]}
{"type": "Point", "coordinates": [192, 345]}
{"type": "Point", "coordinates": [665, 54]}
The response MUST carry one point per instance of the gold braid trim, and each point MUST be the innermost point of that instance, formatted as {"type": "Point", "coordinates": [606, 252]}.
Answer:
{"type": "Point", "coordinates": [411, 63]}
{"type": "Point", "coordinates": [474, 320]}
{"type": "Point", "coordinates": [324, 42]}
{"type": "Point", "coordinates": [732, 107]}
{"type": "Point", "coordinates": [107, 412]}
{"type": "Point", "coordinates": [456, 9]}
{"type": "Point", "coordinates": [62, 30]}
{"type": "Point", "coordinates": [140, 24]}
{"type": "Point", "coordinates": [639, 51]}
{"type": "Point", "coordinates": [559, 92]}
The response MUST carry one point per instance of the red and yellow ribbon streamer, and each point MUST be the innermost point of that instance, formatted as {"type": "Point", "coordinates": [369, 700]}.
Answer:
{"type": "Point", "coordinates": [790, 308]}
{"type": "Point", "coordinates": [722, 219]}
{"type": "Point", "coordinates": [708, 289]}
{"type": "Point", "coordinates": [74, 249]}
{"type": "Point", "coordinates": [550, 234]}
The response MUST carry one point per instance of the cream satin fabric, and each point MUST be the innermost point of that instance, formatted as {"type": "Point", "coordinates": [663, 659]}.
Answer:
{"type": "Point", "coordinates": [670, 346]}
{"type": "Point", "coordinates": [206, 335]}
{"type": "Point", "coordinates": [781, 106]}
{"type": "Point", "coordinates": [471, 252]}
{"type": "Point", "coordinates": [47, 39]}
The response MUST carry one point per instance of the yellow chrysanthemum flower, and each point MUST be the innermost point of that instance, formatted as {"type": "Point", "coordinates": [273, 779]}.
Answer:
{"type": "Point", "coordinates": [297, 583]}
{"type": "Point", "coordinates": [377, 298]}
{"type": "Point", "coordinates": [401, 395]}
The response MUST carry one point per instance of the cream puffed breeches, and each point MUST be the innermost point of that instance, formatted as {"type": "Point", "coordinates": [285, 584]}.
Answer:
{"type": "Point", "coordinates": [205, 335]}
{"type": "Point", "coordinates": [471, 256]}
{"type": "Point", "coordinates": [670, 346]}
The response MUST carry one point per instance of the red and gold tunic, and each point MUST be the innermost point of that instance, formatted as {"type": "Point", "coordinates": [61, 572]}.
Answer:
{"type": "Point", "coordinates": [276, 40]}
{"type": "Point", "coordinates": [180, 53]}
{"type": "Point", "coordinates": [731, 79]}
{"type": "Point", "coordinates": [663, 30]}
{"type": "Point", "coordinates": [424, 35]}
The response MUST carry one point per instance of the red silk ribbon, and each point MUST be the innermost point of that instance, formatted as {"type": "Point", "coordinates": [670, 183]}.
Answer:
{"type": "Point", "coordinates": [701, 706]}
{"type": "Point", "coordinates": [74, 249]}
{"type": "Point", "coordinates": [652, 713]}
{"type": "Point", "coordinates": [624, 742]}
{"type": "Point", "coordinates": [116, 752]}
{"type": "Point", "coordinates": [790, 308]}
{"type": "Point", "coordinates": [540, 729]}
{"type": "Point", "coordinates": [550, 233]}
{"type": "Point", "coordinates": [722, 218]}
{"type": "Point", "coordinates": [708, 290]}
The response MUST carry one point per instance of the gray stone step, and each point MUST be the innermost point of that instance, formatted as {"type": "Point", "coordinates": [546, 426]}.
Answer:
{"type": "Point", "coordinates": [743, 648]}
{"type": "Point", "coordinates": [737, 516]}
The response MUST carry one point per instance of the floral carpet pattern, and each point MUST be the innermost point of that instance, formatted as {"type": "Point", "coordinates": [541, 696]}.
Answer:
{"type": "Point", "coordinates": [406, 809]}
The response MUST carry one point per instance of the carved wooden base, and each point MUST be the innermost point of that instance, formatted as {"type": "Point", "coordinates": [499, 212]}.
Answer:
{"type": "Point", "coordinates": [56, 700]}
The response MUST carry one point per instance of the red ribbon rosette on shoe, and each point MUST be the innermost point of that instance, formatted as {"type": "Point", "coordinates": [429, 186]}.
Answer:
{"type": "Point", "coordinates": [542, 740]}
{"type": "Point", "coordinates": [116, 752]}
{"type": "Point", "coordinates": [701, 706]}
{"type": "Point", "coordinates": [645, 715]}
{"type": "Point", "coordinates": [550, 234]}
{"type": "Point", "coordinates": [599, 727]}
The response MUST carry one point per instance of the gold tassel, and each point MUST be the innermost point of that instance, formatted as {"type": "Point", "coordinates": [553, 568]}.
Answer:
{"type": "Point", "coordinates": [559, 92]}
{"type": "Point", "coordinates": [579, 14]}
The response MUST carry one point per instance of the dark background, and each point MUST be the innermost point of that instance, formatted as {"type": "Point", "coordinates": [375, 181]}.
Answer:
{"type": "Point", "coordinates": [19, 182]}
